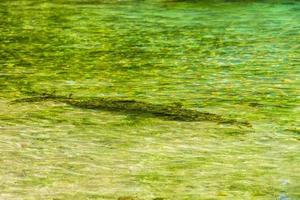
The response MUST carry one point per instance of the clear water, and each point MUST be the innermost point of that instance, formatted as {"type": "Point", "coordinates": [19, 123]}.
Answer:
{"type": "Point", "coordinates": [239, 59]}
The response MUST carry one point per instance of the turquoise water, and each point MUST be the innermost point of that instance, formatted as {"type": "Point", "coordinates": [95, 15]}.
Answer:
{"type": "Point", "coordinates": [237, 59]}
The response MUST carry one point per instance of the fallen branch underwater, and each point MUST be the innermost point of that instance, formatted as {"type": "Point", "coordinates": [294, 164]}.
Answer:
{"type": "Point", "coordinates": [170, 111]}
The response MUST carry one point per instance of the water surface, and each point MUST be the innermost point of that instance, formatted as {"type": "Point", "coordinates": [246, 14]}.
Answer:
{"type": "Point", "coordinates": [237, 59]}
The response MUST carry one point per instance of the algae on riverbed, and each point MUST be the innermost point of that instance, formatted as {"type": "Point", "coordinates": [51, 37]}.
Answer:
{"type": "Point", "coordinates": [236, 59]}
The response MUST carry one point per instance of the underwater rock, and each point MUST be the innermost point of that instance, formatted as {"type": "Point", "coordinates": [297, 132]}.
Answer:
{"type": "Point", "coordinates": [174, 112]}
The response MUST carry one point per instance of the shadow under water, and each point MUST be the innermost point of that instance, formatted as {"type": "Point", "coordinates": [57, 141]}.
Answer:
{"type": "Point", "coordinates": [174, 111]}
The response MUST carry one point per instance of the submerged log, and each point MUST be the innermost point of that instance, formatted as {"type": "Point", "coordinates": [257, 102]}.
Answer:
{"type": "Point", "coordinates": [169, 111]}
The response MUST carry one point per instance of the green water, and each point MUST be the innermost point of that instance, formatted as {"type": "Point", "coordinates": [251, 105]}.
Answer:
{"type": "Point", "coordinates": [237, 59]}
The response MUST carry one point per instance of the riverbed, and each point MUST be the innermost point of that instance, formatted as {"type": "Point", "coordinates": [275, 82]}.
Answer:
{"type": "Point", "coordinates": [236, 59]}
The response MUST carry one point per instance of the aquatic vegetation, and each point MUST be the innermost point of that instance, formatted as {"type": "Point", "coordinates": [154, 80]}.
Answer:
{"type": "Point", "coordinates": [127, 61]}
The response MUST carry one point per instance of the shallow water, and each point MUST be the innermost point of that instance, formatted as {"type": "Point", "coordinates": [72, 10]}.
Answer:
{"type": "Point", "coordinates": [237, 59]}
